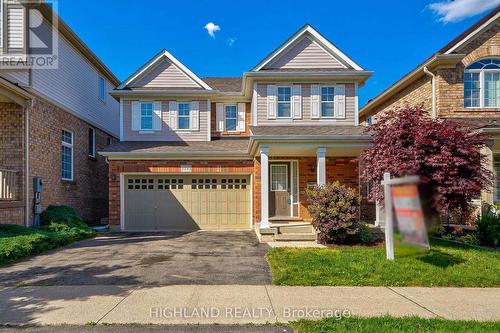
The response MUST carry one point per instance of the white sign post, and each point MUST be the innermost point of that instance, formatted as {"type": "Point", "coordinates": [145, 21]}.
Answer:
{"type": "Point", "coordinates": [389, 226]}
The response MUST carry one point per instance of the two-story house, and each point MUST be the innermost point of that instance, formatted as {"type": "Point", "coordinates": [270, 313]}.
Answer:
{"type": "Point", "coordinates": [235, 153]}
{"type": "Point", "coordinates": [460, 82]}
{"type": "Point", "coordinates": [53, 121]}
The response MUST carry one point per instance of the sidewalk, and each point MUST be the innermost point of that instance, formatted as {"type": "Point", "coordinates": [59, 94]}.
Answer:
{"type": "Point", "coordinates": [236, 304]}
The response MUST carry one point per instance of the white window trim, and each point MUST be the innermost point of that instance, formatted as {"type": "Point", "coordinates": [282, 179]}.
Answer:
{"type": "Point", "coordinates": [321, 102]}
{"type": "Point", "coordinates": [179, 117]}
{"type": "Point", "coordinates": [71, 146]}
{"type": "Point", "coordinates": [103, 97]}
{"type": "Point", "coordinates": [271, 177]}
{"type": "Point", "coordinates": [225, 118]}
{"type": "Point", "coordinates": [2, 23]}
{"type": "Point", "coordinates": [278, 102]}
{"type": "Point", "coordinates": [140, 114]}
{"type": "Point", "coordinates": [481, 88]}
{"type": "Point", "coordinates": [93, 155]}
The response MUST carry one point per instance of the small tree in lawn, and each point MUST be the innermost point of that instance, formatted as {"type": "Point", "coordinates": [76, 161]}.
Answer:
{"type": "Point", "coordinates": [334, 209]}
{"type": "Point", "coordinates": [445, 154]}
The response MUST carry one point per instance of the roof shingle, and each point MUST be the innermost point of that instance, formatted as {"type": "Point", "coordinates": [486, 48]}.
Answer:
{"type": "Point", "coordinates": [224, 84]}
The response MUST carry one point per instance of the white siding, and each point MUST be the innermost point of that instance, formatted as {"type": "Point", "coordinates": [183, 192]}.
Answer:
{"type": "Point", "coordinates": [163, 75]}
{"type": "Point", "coordinates": [166, 133]}
{"type": "Point", "coordinates": [262, 118]}
{"type": "Point", "coordinates": [305, 54]}
{"type": "Point", "coordinates": [75, 86]}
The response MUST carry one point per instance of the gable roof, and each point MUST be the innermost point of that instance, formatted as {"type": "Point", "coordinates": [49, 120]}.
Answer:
{"type": "Point", "coordinates": [163, 54]}
{"type": "Point", "coordinates": [307, 31]}
{"type": "Point", "coordinates": [447, 53]}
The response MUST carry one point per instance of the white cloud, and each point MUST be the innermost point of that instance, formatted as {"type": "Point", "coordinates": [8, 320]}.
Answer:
{"type": "Point", "coordinates": [231, 41]}
{"type": "Point", "coordinates": [212, 28]}
{"type": "Point", "coordinates": [457, 10]}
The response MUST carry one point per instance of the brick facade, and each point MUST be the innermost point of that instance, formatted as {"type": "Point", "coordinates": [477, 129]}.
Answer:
{"type": "Point", "coordinates": [117, 167]}
{"type": "Point", "coordinates": [213, 123]}
{"type": "Point", "coordinates": [88, 191]}
{"type": "Point", "coordinates": [343, 169]}
{"type": "Point", "coordinates": [12, 158]}
{"type": "Point", "coordinates": [449, 84]}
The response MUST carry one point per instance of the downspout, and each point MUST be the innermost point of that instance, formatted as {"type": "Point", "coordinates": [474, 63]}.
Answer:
{"type": "Point", "coordinates": [26, 168]}
{"type": "Point", "coordinates": [433, 81]}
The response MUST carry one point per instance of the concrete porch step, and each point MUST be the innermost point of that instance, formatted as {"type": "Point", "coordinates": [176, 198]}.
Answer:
{"type": "Point", "coordinates": [296, 229]}
{"type": "Point", "coordinates": [290, 237]}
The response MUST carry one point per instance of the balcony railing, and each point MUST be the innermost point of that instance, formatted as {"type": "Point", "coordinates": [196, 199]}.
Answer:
{"type": "Point", "coordinates": [8, 184]}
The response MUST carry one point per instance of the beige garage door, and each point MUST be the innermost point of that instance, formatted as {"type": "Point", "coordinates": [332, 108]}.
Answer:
{"type": "Point", "coordinates": [185, 203]}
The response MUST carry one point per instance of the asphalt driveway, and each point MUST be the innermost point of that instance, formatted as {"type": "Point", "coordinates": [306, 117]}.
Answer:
{"type": "Point", "coordinates": [201, 257]}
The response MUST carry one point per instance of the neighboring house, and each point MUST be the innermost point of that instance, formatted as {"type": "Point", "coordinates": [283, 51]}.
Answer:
{"type": "Point", "coordinates": [461, 82]}
{"type": "Point", "coordinates": [235, 153]}
{"type": "Point", "coordinates": [53, 122]}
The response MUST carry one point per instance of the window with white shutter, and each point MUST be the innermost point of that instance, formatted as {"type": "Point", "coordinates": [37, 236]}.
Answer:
{"type": "Point", "coordinates": [183, 116]}
{"type": "Point", "coordinates": [231, 117]}
{"type": "Point", "coordinates": [271, 101]}
{"type": "Point", "coordinates": [340, 101]}
{"type": "Point", "coordinates": [194, 113]}
{"type": "Point", "coordinates": [241, 117]}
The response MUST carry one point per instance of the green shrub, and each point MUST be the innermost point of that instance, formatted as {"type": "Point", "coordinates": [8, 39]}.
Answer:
{"type": "Point", "coordinates": [488, 227]}
{"type": "Point", "coordinates": [61, 226]}
{"type": "Point", "coordinates": [334, 210]}
{"type": "Point", "coordinates": [365, 235]}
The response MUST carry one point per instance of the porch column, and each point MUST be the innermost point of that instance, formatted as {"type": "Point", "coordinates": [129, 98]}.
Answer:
{"type": "Point", "coordinates": [487, 196]}
{"type": "Point", "coordinates": [264, 187]}
{"type": "Point", "coordinates": [321, 166]}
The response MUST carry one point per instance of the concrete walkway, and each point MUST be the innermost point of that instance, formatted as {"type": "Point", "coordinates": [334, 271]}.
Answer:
{"type": "Point", "coordinates": [236, 304]}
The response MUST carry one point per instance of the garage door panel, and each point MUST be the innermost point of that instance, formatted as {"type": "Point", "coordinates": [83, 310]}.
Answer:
{"type": "Point", "coordinates": [182, 202]}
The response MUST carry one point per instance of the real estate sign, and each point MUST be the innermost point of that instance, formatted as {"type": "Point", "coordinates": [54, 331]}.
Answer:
{"type": "Point", "coordinates": [409, 214]}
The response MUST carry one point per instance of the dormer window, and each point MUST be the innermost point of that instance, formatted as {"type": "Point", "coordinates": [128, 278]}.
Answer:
{"type": "Point", "coordinates": [482, 84]}
{"type": "Point", "coordinates": [284, 102]}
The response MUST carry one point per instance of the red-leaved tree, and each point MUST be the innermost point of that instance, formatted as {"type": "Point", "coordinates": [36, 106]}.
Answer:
{"type": "Point", "coordinates": [445, 154]}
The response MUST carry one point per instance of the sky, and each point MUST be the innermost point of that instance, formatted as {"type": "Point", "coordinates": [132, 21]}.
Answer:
{"type": "Point", "coordinates": [227, 38]}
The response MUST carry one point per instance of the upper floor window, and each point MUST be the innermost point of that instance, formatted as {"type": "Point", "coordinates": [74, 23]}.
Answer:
{"type": "Point", "coordinates": [284, 102]}
{"type": "Point", "coordinates": [327, 102]}
{"type": "Point", "coordinates": [482, 84]}
{"type": "Point", "coordinates": [231, 114]}
{"type": "Point", "coordinates": [147, 116]}
{"type": "Point", "coordinates": [102, 89]}
{"type": "Point", "coordinates": [183, 116]}
{"type": "Point", "coordinates": [67, 155]}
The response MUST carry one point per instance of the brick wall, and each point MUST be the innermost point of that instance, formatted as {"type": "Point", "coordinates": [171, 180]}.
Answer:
{"type": "Point", "coordinates": [213, 124]}
{"type": "Point", "coordinates": [12, 158]}
{"type": "Point", "coordinates": [88, 191]}
{"type": "Point", "coordinates": [342, 169]}
{"type": "Point", "coordinates": [118, 167]}
{"type": "Point", "coordinates": [450, 83]}
{"type": "Point", "coordinates": [419, 93]}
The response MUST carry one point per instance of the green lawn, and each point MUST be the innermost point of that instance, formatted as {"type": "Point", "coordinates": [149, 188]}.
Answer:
{"type": "Point", "coordinates": [446, 264]}
{"type": "Point", "coordinates": [393, 325]}
{"type": "Point", "coordinates": [17, 242]}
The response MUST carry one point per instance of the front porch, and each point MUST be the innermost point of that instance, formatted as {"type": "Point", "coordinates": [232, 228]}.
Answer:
{"type": "Point", "coordinates": [283, 175]}
{"type": "Point", "coordinates": [12, 154]}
